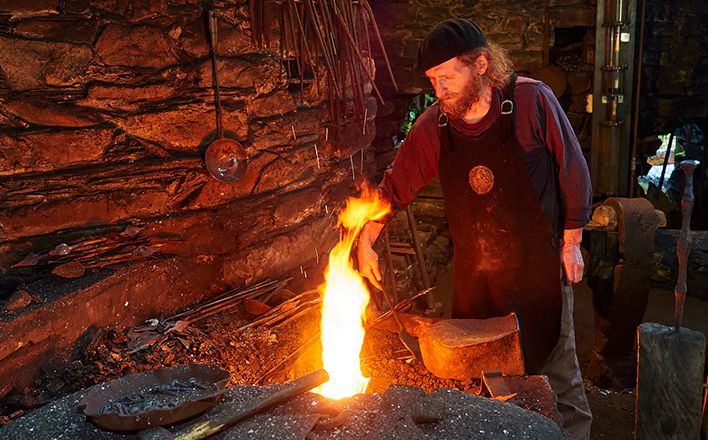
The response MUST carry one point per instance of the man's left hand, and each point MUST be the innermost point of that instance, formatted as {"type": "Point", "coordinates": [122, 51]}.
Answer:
{"type": "Point", "coordinates": [572, 263]}
{"type": "Point", "coordinates": [571, 257]}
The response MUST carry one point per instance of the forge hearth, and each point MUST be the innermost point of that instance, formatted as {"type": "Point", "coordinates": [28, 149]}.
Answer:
{"type": "Point", "coordinates": [400, 412]}
{"type": "Point", "coordinates": [405, 400]}
{"type": "Point", "coordinates": [268, 334]}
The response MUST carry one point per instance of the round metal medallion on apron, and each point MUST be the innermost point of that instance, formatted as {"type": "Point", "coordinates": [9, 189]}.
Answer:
{"type": "Point", "coordinates": [481, 179]}
{"type": "Point", "coordinates": [506, 252]}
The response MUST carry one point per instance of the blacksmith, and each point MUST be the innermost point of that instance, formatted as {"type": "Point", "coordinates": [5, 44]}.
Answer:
{"type": "Point", "coordinates": [517, 195]}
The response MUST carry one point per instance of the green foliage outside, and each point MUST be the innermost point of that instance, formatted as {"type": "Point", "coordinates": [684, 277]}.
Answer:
{"type": "Point", "coordinates": [415, 109]}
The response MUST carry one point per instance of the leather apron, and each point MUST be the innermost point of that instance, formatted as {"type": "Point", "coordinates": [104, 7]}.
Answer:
{"type": "Point", "coordinates": [506, 254]}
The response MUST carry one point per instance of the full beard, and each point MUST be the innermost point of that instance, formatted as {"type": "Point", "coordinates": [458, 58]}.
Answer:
{"type": "Point", "coordinates": [458, 107]}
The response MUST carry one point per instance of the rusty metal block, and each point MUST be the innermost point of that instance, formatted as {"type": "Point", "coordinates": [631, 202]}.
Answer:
{"type": "Point", "coordinates": [464, 348]}
{"type": "Point", "coordinates": [532, 393]}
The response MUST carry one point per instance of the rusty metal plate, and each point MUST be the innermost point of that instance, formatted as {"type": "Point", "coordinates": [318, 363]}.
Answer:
{"type": "Point", "coordinates": [154, 398]}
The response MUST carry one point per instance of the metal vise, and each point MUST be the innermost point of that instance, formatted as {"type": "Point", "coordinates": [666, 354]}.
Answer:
{"type": "Point", "coordinates": [619, 268]}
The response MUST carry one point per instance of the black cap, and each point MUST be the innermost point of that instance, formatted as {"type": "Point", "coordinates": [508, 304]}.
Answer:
{"type": "Point", "coordinates": [448, 39]}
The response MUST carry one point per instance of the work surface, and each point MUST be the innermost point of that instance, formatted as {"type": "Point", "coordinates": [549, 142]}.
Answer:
{"type": "Point", "coordinates": [400, 412]}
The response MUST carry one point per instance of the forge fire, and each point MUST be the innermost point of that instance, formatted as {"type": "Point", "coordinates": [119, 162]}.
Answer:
{"type": "Point", "coordinates": [345, 300]}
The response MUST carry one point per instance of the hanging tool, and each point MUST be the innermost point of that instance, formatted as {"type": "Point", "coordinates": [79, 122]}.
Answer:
{"type": "Point", "coordinates": [225, 158]}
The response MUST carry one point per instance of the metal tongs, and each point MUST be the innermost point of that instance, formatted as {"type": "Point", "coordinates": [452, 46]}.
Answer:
{"type": "Point", "coordinates": [408, 340]}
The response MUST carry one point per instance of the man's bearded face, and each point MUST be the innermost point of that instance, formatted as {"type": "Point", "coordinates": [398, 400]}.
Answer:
{"type": "Point", "coordinates": [460, 103]}
{"type": "Point", "coordinates": [457, 86]}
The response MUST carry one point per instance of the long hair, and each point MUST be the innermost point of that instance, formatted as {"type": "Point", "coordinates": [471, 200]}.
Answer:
{"type": "Point", "coordinates": [499, 64]}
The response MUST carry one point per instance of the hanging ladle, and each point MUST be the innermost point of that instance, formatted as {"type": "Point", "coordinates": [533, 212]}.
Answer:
{"type": "Point", "coordinates": [225, 158]}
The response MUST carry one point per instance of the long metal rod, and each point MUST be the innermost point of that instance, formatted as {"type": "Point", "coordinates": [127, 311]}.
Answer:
{"type": "Point", "coordinates": [666, 161]}
{"type": "Point", "coordinates": [389, 265]}
{"type": "Point", "coordinates": [380, 40]}
{"type": "Point", "coordinates": [637, 92]}
{"type": "Point", "coordinates": [683, 245]}
{"type": "Point", "coordinates": [430, 300]}
{"type": "Point", "coordinates": [359, 58]}
{"type": "Point", "coordinates": [290, 357]}
{"type": "Point", "coordinates": [227, 419]}
{"type": "Point", "coordinates": [230, 295]}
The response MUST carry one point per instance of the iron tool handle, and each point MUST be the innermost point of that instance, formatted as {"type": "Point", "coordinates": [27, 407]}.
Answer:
{"type": "Point", "coordinates": [212, 39]}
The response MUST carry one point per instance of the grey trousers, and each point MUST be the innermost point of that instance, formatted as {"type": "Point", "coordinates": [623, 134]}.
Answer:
{"type": "Point", "coordinates": [563, 373]}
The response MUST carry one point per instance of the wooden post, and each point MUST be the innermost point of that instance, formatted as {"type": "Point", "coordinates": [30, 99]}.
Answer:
{"type": "Point", "coordinates": [670, 371]}
{"type": "Point", "coordinates": [669, 382]}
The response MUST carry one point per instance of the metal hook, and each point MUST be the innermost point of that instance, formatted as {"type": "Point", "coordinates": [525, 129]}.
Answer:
{"type": "Point", "coordinates": [510, 107]}
{"type": "Point", "coordinates": [442, 119]}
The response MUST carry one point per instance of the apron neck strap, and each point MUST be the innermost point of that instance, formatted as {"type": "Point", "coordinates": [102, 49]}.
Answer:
{"type": "Point", "coordinates": [507, 104]}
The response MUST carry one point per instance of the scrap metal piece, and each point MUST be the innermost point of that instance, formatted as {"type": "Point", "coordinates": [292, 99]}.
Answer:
{"type": "Point", "coordinates": [533, 393]}
{"type": "Point", "coordinates": [463, 348]}
{"type": "Point", "coordinates": [495, 383]}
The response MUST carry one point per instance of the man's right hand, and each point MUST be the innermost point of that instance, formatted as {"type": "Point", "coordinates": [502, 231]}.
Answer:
{"type": "Point", "coordinates": [367, 257]}
{"type": "Point", "coordinates": [369, 264]}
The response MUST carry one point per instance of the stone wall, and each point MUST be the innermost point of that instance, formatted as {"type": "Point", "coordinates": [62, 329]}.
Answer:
{"type": "Point", "coordinates": [525, 28]}
{"type": "Point", "coordinates": [675, 74]}
{"type": "Point", "coordinates": [106, 108]}
{"type": "Point", "coordinates": [674, 78]}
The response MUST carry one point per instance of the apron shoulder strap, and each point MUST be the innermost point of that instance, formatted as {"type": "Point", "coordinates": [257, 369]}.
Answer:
{"type": "Point", "coordinates": [507, 104]}
{"type": "Point", "coordinates": [443, 130]}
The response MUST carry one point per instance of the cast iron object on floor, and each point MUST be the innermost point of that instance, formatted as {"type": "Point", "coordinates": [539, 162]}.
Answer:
{"type": "Point", "coordinates": [101, 396]}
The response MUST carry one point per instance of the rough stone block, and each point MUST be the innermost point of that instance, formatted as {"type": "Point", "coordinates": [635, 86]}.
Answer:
{"type": "Point", "coordinates": [141, 46]}
{"type": "Point", "coordinates": [570, 16]}
{"type": "Point", "coordinates": [35, 64]}
{"type": "Point", "coordinates": [464, 348]}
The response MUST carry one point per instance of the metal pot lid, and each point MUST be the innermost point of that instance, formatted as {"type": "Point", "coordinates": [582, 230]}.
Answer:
{"type": "Point", "coordinates": [226, 160]}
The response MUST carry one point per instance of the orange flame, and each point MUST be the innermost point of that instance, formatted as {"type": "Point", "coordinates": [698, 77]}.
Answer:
{"type": "Point", "coordinates": [345, 300]}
